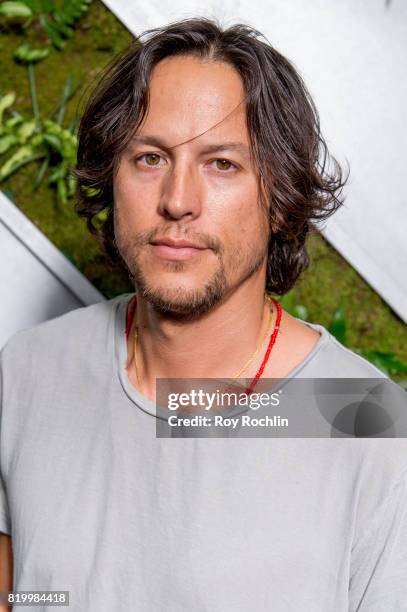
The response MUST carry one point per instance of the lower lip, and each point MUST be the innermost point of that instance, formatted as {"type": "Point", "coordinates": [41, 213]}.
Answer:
{"type": "Point", "coordinates": [181, 253]}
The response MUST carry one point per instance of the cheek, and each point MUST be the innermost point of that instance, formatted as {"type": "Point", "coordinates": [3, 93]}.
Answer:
{"type": "Point", "coordinates": [238, 211]}
{"type": "Point", "coordinates": [131, 189]}
{"type": "Point", "coordinates": [133, 202]}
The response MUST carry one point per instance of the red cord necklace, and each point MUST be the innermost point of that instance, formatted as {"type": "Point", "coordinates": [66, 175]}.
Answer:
{"type": "Point", "coordinates": [132, 309]}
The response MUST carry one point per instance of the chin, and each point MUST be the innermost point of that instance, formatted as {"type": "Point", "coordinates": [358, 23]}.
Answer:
{"type": "Point", "coordinates": [177, 301]}
{"type": "Point", "coordinates": [182, 302]}
{"type": "Point", "coordinates": [181, 295]}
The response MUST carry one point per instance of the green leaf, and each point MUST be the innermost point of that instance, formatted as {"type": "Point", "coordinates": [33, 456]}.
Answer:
{"type": "Point", "coordinates": [47, 6]}
{"type": "Point", "coordinates": [5, 102]}
{"type": "Point", "coordinates": [102, 215]}
{"type": "Point", "coordinates": [66, 17]}
{"type": "Point", "coordinates": [388, 362]}
{"type": "Point", "coordinates": [338, 325]}
{"type": "Point", "coordinates": [52, 32]}
{"type": "Point", "coordinates": [73, 10]}
{"type": "Point", "coordinates": [26, 54]}
{"type": "Point", "coordinates": [68, 92]}
{"type": "Point", "coordinates": [61, 190]}
{"type": "Point", "coordinates": [7, 141]}
{"type": "Point", "coordinates": [62, 25]}
{"type": "Point", "coordinates": [12, 122]}
{"type": "Point", "coordinates": [41, 173]}
{"type": "Point", "coordinates": [59, 173]}
{"type": "Point", "coordinates": [26, 130]}
{"type": "Point", "coordinates": [37, 140]}
{"type": "Point", "coordinates": [71, 185]}
{"type": "Point", "coordinates": [51, 127]}
{"type": "Point", "coordinates": [53, 141]}
{"type": "Point", "coordinates": [24, 155]}
{"type": "Point", "coordinates": [15, 9]}
{"type": "Point", "coordinates": [69, 151]}
{"type": "Point", "coordinates": [35, 5]}
{"type": "Point", "coordinates": [90, 192]}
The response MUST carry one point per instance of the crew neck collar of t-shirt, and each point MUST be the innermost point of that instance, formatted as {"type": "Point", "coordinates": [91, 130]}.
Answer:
{"type": "Point", "coordinates": [120, 345]}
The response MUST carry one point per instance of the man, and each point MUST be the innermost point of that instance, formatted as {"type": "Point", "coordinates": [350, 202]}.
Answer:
{"type": "Point", "coordinates": [203, 147]}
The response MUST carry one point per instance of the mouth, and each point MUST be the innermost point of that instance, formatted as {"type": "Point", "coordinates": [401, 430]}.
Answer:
{"type": "Point", "coordinates": [177, 253]}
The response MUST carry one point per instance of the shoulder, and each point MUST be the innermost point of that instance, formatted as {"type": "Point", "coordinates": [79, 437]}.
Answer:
{"type": "Point", "coordinates": [73, 328]}
{"type": "Point", "coordinates": [363, 400]}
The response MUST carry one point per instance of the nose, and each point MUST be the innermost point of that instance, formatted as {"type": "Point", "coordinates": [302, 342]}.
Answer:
{"type": "Point", "coordinates": [181, 192]}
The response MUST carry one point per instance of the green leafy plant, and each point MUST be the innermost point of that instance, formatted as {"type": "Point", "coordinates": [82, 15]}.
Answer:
{"type": "Point", "coordinates": [56, 19]}
{"type": "Point", "coordinates": [31, 140]}
{"type": "Point", "coordinates": [27, 140]}
{"type": "Point", "coordinates": [388, 362]}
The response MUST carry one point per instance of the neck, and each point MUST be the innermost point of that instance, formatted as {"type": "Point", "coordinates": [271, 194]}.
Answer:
{"type": "Point", "coordinates": [217, 344]}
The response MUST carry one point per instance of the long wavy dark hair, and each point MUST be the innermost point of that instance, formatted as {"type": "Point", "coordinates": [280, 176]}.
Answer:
{"type": "Point", "coordinates": [298, 177]}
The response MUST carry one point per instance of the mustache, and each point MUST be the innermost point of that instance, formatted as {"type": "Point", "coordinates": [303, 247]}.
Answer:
{"type": "Point", "coordinates": [203, 239]}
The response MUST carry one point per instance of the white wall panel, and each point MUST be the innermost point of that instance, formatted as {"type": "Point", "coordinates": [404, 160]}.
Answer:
{"type": "Point", "coordinates": [37, 281]}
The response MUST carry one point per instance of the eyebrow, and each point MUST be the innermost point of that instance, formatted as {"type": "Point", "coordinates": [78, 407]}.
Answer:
{"type": "Point", "coordinates": [155, 141]}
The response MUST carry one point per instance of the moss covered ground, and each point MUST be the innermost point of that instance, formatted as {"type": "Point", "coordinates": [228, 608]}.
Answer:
{"type": "Point", "coordinates": [371, 324]}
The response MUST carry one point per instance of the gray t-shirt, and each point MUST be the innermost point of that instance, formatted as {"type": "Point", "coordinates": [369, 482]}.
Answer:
{"type": "Point", "coordinates": [97, 505]}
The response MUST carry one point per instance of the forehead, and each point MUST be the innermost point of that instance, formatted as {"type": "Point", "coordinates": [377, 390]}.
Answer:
{"type": "Point", "coordinates": [189, 96]}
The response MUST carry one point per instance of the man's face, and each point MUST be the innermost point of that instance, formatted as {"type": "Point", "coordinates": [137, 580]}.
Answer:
{"type": "Point", "coordinates": [191, 191]}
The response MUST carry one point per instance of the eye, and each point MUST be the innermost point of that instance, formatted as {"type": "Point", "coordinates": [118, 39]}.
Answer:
{"type": "Point", "coordinates": [224, 165]}
{"type": "Point", "coordinates": [152, 159]}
